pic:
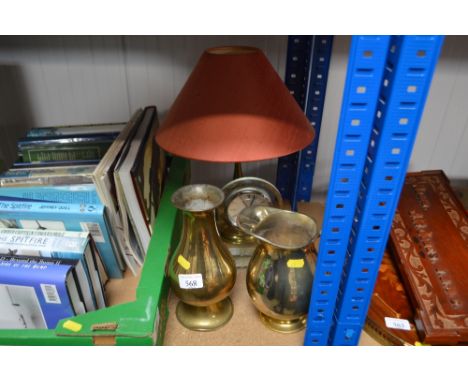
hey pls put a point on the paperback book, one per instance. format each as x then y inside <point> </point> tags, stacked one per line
<point>37,294</point>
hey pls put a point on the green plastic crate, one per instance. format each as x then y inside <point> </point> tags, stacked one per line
<point>133,323</point>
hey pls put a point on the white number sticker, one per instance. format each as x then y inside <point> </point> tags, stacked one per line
<point>397,323</point>
<point>194,281</point>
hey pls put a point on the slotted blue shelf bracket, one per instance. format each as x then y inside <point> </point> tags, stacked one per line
<point>296,80</point>
<point>364,76</point>
<point>409,68</point>
<point>314,104</point>
<point>308,61</point>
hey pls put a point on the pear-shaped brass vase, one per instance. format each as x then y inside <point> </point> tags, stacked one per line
<point>280,273</point>
<point>201,269</point>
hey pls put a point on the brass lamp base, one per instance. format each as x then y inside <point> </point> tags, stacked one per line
<point>233,235</point>
<point>206,318</point>
<point>284,326</point>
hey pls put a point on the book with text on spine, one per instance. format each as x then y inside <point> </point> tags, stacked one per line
<point>84,147</point>
<point>64,217</point>
<point>60,245</point>
<point>35,294</point>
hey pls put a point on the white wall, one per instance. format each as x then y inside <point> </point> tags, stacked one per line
<point>76,80</point>
<point>72,80</point>
<point>442,141</point>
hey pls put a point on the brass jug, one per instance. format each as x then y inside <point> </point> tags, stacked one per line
<point>201,269</point>
<point>280,273</point>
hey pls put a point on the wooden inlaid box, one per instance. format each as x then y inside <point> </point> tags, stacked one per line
<point>429,240</point>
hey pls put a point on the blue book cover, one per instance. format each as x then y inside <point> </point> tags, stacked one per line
<point>64,217</point>
<point>34,295</point>
<point>72,194</point>
<point>58,245</point>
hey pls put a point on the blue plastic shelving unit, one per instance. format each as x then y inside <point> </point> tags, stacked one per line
<point>387,84</point>
<point>308,60</point>
<point>364,75</point>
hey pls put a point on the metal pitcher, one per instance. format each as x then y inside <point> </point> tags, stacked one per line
<point>280,273</point>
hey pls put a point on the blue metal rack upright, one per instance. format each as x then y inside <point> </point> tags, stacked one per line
<point>364,75</point>
<point>308,61</point>
<point>384,97</point>
<point>410,65</point>
<point>314,104</point>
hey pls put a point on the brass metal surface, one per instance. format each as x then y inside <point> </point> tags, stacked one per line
<point>201,253</point>
<point>206,318</point>
<point>239,194</point>
<point>280,274</point>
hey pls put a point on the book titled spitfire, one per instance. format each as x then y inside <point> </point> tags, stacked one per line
<point>35,294</point>
<point>61,245</point>
<point>64,217</point>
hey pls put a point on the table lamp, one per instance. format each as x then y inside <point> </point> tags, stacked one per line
<point>234,107</point>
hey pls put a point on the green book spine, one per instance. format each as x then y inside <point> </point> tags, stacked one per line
<point>64,152</point>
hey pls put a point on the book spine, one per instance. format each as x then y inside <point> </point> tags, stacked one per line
<point>59,194</point>
<point>41,132</point>
<point>48,207</point>
<point>85,170</point>
<point>42,241</point>
<point>61,216</point>
<point>64,152</point>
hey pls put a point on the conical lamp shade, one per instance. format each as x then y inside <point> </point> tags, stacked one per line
<point>234,108</point>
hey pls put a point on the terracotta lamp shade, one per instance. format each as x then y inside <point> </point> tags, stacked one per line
<point>234,108</point>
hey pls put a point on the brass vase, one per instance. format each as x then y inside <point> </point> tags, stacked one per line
<point>280,273</point>
<point>201,269</point>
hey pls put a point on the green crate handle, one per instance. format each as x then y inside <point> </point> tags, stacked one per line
<point>131,323</point>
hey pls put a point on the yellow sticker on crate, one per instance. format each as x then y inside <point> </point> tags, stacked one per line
<point>295,263</point>
<point>183,262</point>
<point>72,325</point>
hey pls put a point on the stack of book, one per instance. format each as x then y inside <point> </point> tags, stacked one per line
<point>76,209</point>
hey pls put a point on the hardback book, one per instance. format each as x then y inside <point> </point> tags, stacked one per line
<point>36,293</point>
<point>61,245</point>
<point>75,130</point>
<point>429,239</point>
<point>103,177</point>
<point>65,217</point>
<point>65,163</point>
<point>84,147</point>
<point>47,176</point>
<point>136,223</point>
<point>148,174</point>
<point>72,194</point>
